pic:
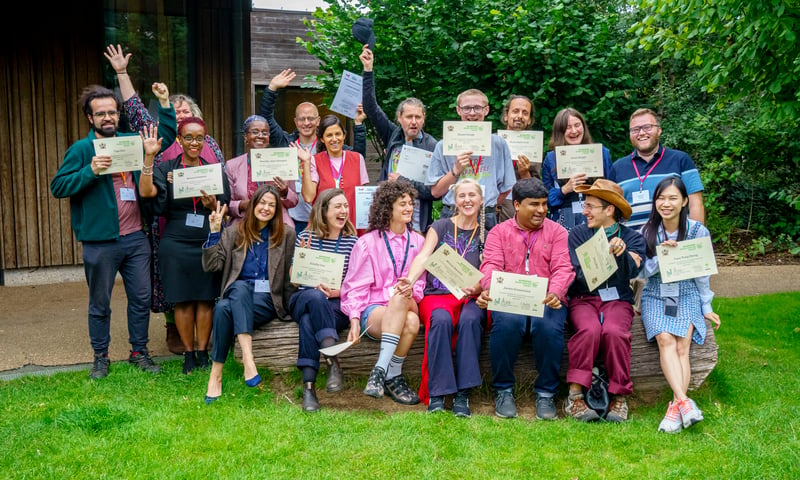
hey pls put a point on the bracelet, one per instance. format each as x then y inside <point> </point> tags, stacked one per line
<point>453,173</point>
<point>122,73</point>
<point>149,174</point>
<point>147,168</point>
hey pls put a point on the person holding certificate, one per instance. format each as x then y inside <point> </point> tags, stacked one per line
<point>108,217</point>
<point>528,244</point>
<point>518,115</point>
<point>253,258</point>
<point>564,203</point>
<point>239,172</point>
<point>317,309</point>
<point>372,297</point>
<point>443,314</point>
<point>675,313</point>
<point>600,311</point>
<point>494,172</point>
<point>407,131</point>
<point>333,166</point>
<point>186,285</point>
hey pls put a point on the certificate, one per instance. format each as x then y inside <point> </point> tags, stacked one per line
<point>267,163</point>
<point>526,142</point>
<point>189,181</point>
<point>597,263</point>
<point>348,95</point>
<point>452,270</point>
<point>363,202</point>
<point>690,259</point>
<point>475,137</point>
<point>313,267</point>
<point>414,162</point>
<point>515,293</point>
<point>572,159</point>
<point>126,153</point>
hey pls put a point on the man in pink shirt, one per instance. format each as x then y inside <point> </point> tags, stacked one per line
<point>528,244</point>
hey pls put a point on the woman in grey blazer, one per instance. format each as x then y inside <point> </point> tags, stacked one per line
<point>253,256</point>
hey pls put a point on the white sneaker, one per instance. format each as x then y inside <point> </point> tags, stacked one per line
<point>690,414</point>
<point>672,420</point>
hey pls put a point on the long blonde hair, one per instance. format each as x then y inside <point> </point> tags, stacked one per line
<point>482,215</point>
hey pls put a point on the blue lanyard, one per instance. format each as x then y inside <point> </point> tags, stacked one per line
<point>262,265</point>
<point>336,249</point>
<point>391,255</point>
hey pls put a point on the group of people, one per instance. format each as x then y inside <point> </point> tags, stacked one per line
<point>224,261</point>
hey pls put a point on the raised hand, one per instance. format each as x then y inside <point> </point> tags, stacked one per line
<point>161,92</point>
<point>150,141</point>
<point>367,59</point>
<point>281,80</point>
<point>118,61</point>
<point>360,115</point>
<point>216,216</point>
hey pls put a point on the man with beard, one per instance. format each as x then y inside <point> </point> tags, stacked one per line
<point>528,244</point>
<point>108,220</point>
<point>640,172</point>
<point>518,115</point>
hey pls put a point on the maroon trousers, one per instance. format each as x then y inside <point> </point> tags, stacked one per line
<point>611,339</point>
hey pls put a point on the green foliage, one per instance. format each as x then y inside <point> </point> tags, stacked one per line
<point>738,48</point>
<point>559,53</point>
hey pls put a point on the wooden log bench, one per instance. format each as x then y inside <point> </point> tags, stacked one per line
<point>275,347</point>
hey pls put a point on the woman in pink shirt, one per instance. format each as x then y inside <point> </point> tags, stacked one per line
<point>371,296</point>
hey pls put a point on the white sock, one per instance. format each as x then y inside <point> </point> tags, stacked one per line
<point>395,367</point>
<point>388,346</point>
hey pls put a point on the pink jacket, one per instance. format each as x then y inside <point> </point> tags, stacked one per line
<point>238,172</point>
<point>549,257</point>
<point>372,272</point>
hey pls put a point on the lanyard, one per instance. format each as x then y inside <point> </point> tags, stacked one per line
<point>477,167</point>
<point>194,199</point>
<point>124,182</point>
<point>262,266</point>
<point>529,241</point>
<point>338,239</point>
<point>337,176</point>
<point>642,179</point>
<point>455,238</point>
<point>391,255</point>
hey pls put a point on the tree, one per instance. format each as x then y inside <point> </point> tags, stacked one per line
<point>739,48</point>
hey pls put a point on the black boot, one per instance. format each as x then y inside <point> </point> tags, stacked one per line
<point>335,375</point>
<point>310,402</point>
<point>188,362</point>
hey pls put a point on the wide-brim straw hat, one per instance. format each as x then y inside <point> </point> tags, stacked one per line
<point>608,191</point>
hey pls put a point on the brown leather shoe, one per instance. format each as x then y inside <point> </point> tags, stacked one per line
<point>335,375</point>
<point>174,343</point>
<point>310,402</point>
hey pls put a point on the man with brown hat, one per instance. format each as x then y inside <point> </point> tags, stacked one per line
<point>601,317</point>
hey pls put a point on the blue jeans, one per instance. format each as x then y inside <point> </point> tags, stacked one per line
<point>448,373</point>
<point>547,339</point>
<point>130,256</point>
<point>240,310</point>
<point>318,318</point>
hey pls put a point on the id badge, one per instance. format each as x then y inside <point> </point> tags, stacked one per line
<point>127,195</point>
<point>262,286</point>
<point>195,220</point>
<point>577,207</point>
<point>608,294</point>
<point>671,306</point>
<point>670,290</point>
<point>298,187</point>
<point>642,196</point>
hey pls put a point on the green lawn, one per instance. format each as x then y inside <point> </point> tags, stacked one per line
<point>134,425</point>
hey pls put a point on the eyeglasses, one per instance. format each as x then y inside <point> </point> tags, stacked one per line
<point>190,139</point>
<point>258,133</point>
<point>472,108</point>
<point>306,119</point>
<point>110,113</point>
<point>646,128</point>
<point>590,207</point>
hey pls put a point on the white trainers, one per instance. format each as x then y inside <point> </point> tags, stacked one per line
<point>672,420</point>
<point>690,414</point>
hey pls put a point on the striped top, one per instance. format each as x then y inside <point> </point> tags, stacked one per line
<point>346,245</point>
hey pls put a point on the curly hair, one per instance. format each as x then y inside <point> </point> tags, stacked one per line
<point>380,212</point>
<point>93,92</point>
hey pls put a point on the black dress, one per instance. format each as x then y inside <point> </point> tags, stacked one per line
<point>181,248</point>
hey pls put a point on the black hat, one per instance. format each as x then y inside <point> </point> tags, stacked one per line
<point>362,31</point>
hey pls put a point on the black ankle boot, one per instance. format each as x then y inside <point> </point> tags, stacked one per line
<point>335,375</point>
<point>188,362</point>
<point>310,402</point>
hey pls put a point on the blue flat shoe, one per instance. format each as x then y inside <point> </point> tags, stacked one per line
<point>253,382</point>
<point>210,400</point>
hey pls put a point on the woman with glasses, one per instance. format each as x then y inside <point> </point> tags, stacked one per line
<point>240,178</point>
<point>564,204</point>
<point>253,257</point>
<point>185,283</point>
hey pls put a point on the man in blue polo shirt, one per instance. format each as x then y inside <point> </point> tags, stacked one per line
<point>640,172</point>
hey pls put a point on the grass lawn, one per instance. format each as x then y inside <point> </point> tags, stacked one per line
<point>134,425</point>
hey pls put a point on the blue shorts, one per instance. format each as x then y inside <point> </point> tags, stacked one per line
<point>365,315</point>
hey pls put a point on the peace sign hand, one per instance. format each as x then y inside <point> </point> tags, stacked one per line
<point>216,216</point>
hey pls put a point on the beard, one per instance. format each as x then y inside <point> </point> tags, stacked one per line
<point>108,130</point>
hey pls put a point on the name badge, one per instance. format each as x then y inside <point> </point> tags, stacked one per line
<point>195,220</point>
<point>670,290</point>
<point>262,286</point>
<point>608,294</point>
<point>127,195</point>
<point>642,196</point>
<point>298,187</point>
<point>577,207</point>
